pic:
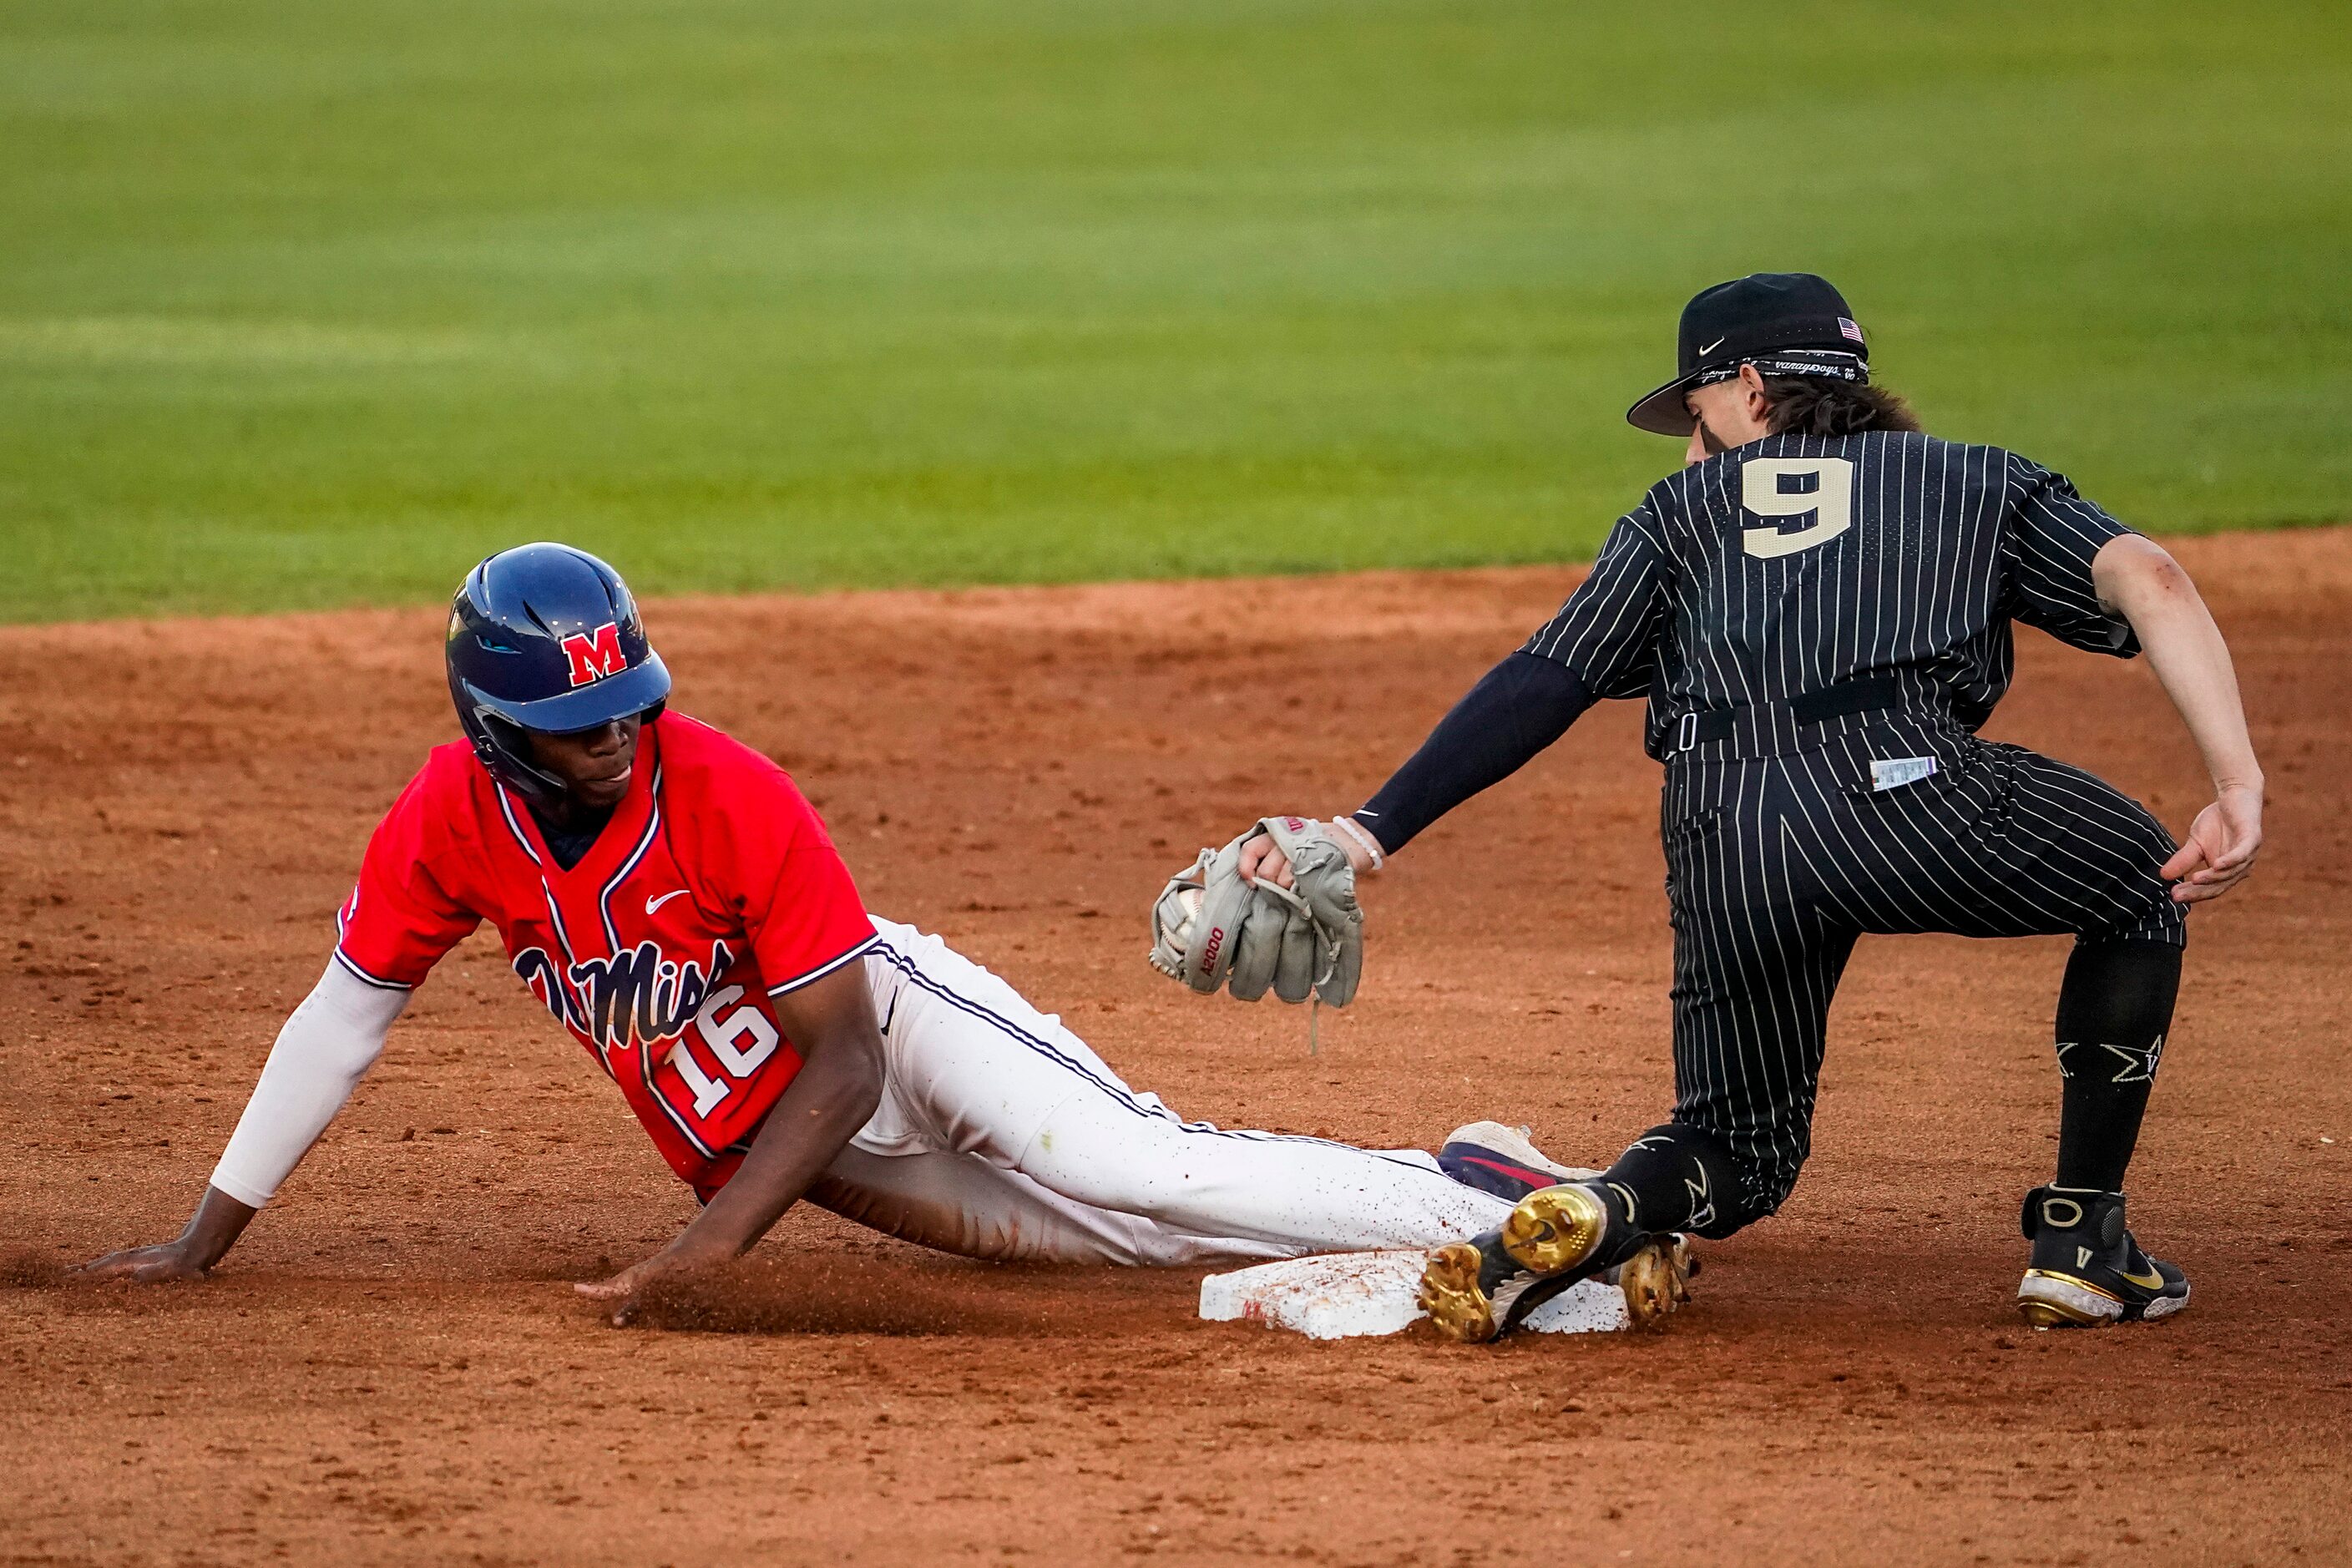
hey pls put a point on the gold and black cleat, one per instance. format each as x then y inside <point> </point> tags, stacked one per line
<point>1555,1229</point>
<point>2086,1270</point>
<point>1459,1284</point>
<point>1656,1281</point>
<point>1475,1291</point>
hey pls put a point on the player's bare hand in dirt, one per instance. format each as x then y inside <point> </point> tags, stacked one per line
<point>2221,846</point>
<point>626,1291</point>
<point>165,1262</point>
<point>212,1230</point>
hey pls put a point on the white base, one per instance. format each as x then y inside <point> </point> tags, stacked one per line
<point>1343,1294</point>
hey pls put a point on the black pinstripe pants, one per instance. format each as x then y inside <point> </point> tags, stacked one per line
<point>1775,864</point>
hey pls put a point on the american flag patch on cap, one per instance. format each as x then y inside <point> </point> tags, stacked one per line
<point>1849,329</point>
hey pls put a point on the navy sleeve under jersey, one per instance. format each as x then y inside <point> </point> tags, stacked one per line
<point>1608,631</point>
<point>1798,562</point>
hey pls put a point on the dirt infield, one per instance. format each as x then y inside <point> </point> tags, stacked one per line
<point>392,1366</point>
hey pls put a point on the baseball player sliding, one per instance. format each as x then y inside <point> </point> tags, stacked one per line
<point>1817,608</point>
<point>672,900</point>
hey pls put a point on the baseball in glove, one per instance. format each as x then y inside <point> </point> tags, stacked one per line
<point>1215,932</point>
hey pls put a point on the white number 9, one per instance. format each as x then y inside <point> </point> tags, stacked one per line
<point>1764,490</point>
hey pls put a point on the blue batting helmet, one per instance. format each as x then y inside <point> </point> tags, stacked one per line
<point>546,637</point>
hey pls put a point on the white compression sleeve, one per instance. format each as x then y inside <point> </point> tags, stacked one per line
<point>325,1049</point>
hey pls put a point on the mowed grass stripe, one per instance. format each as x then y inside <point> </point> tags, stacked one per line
<point>305,306</point>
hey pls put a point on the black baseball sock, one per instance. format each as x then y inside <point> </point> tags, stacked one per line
<point>1678,1178</point>
<point>2113,1012</point>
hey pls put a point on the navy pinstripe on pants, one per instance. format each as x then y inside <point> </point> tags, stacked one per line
<point>1775,864</point>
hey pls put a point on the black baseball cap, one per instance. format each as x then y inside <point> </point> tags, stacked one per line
<point>1784,323</point>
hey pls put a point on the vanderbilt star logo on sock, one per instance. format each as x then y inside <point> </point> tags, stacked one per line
<point>1702,1201</point>
<point>1702,1196</point>
<point>2129,1064</point>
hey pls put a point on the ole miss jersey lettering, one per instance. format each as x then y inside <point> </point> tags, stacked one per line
<point>713,888</point>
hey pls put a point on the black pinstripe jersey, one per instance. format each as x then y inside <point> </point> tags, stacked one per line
<point>1796,561</point>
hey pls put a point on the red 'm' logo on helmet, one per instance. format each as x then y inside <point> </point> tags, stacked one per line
<point>594,654</point>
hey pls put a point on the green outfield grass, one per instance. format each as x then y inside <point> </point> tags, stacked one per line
<point>305,304</point>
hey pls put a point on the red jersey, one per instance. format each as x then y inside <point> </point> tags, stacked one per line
<point>713,888</point>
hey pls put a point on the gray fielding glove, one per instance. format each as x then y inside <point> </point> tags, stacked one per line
<point>1323,940</point>
<point>1262,951</point>
<point>1210,929</point>
<point>1196,922</point>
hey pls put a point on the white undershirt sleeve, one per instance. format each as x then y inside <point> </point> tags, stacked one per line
<point>325,1049</point>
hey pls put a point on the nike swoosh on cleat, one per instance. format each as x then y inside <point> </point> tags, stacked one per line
<point>653,904</point>
<point>1517,1173</point>
<point>2152,1282</point>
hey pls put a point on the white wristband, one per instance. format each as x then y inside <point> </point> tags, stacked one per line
<point>1356,831</point>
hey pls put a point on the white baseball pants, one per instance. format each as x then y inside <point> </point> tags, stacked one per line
<point>1002,1135</point>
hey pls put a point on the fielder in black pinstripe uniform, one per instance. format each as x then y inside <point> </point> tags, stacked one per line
<point>1817,609</point>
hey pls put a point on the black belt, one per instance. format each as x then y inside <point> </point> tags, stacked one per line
<point>1858,696</point>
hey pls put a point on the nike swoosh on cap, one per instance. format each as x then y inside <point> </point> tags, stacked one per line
<point>1712,347</point>
<point>653,904</point>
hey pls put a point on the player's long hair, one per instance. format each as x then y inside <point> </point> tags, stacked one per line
<point>1818,405</point>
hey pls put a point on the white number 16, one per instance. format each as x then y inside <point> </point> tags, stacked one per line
<point>741,1041</point>
<point>1764,490</point>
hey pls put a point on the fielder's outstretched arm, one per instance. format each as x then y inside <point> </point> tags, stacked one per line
<point>2139,580</point>
<point>831,1023</point>
<point>1600,645</point>
<point>1517,709</point>
<point>324,1049</point>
